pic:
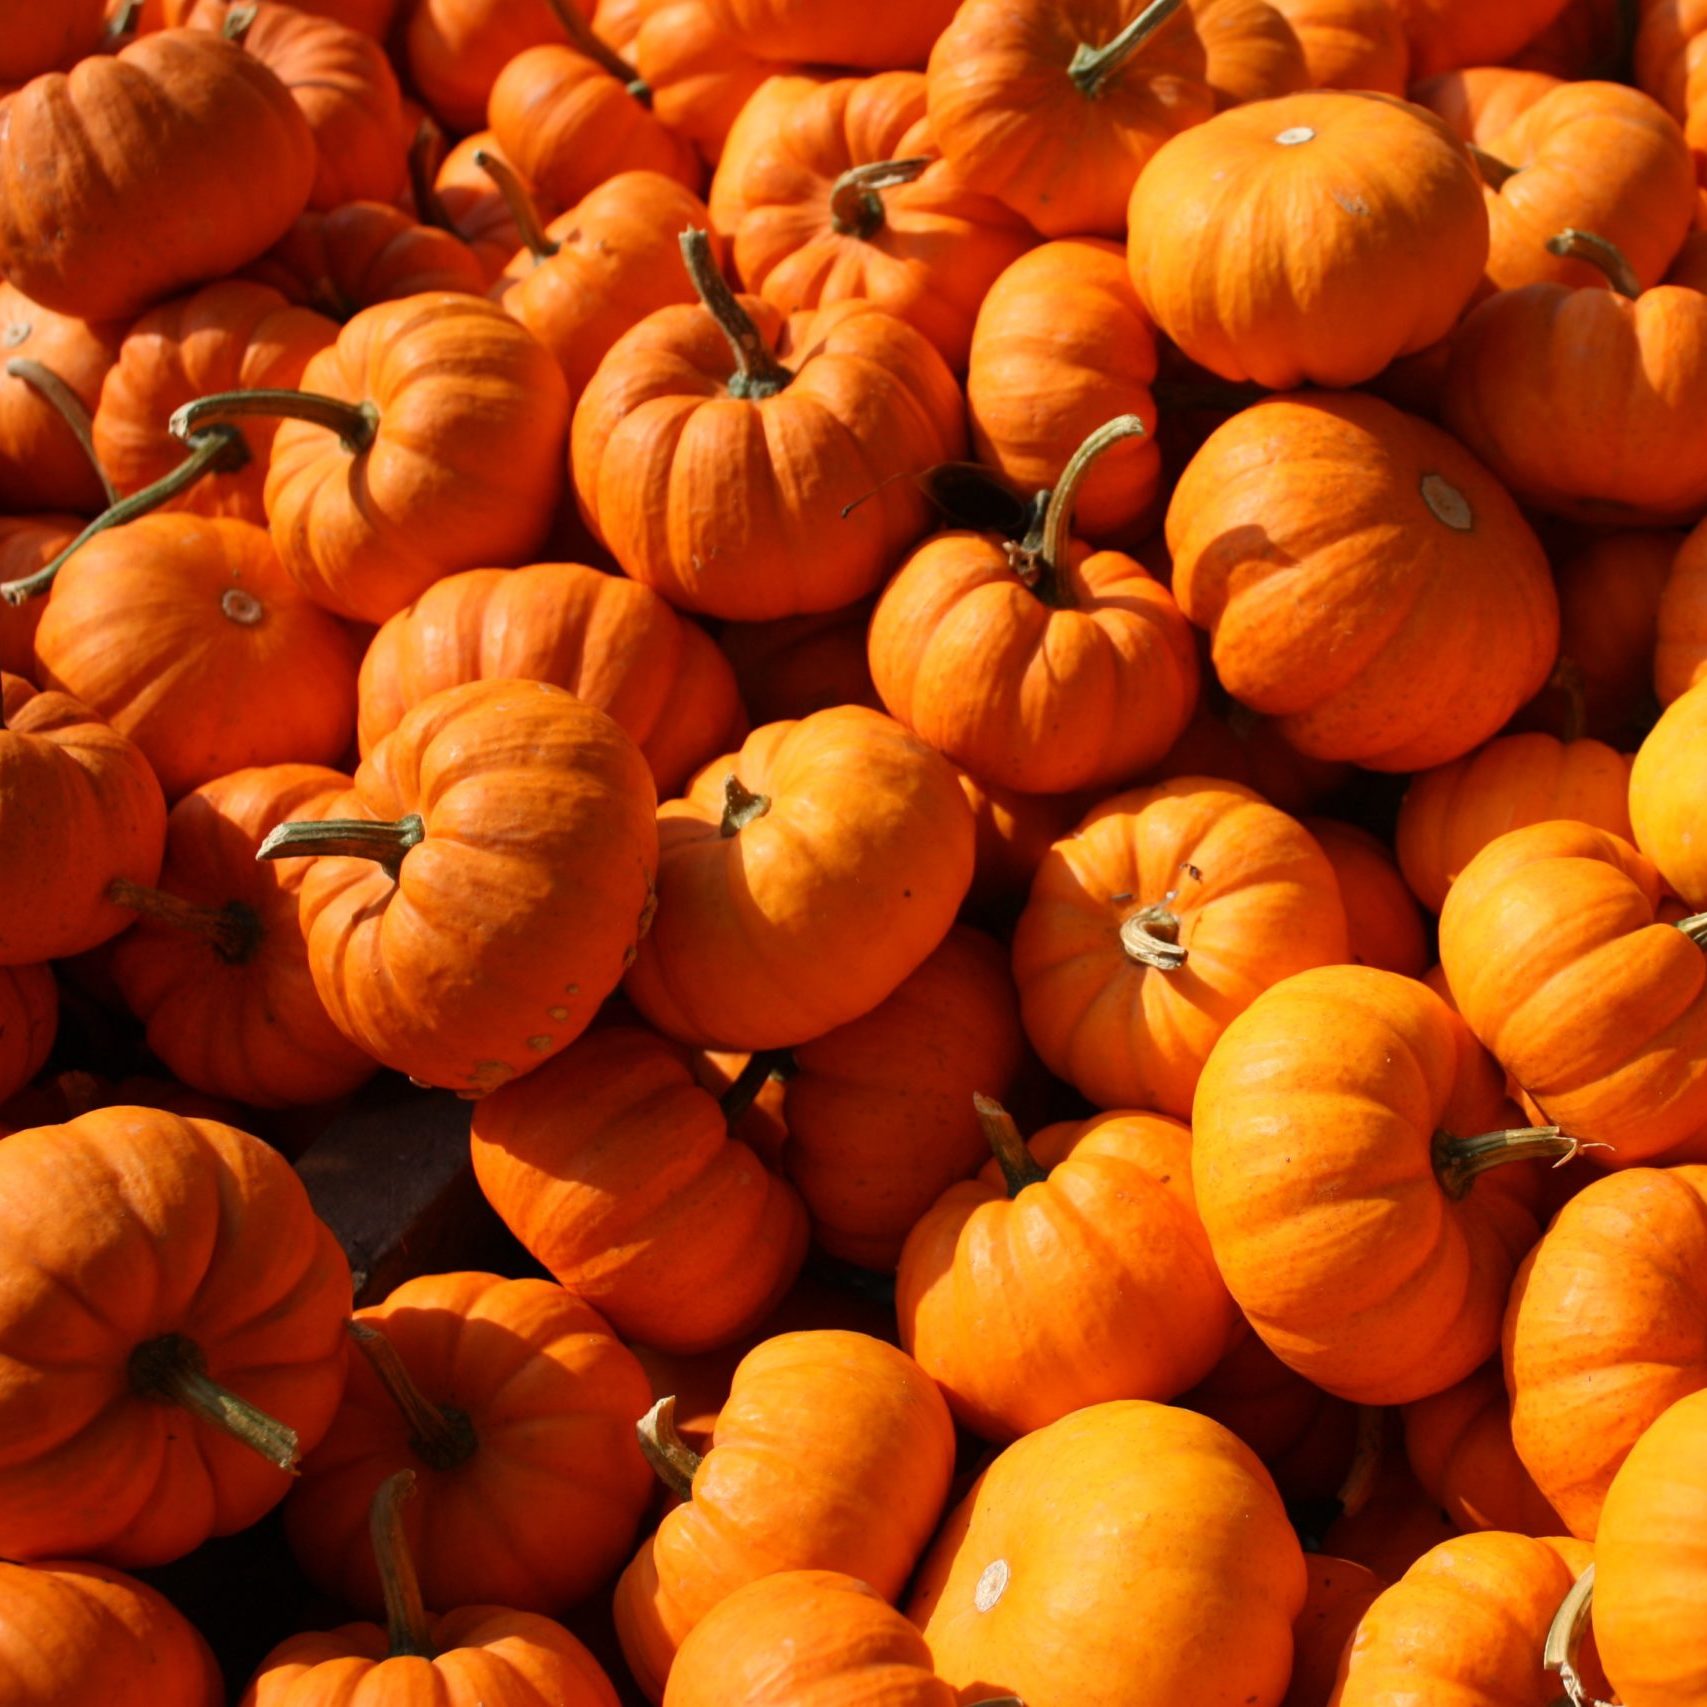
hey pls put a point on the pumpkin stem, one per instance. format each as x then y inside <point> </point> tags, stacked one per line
<point>1092,67</point>
<point>741,806</point>
<point>238,22</point>
<point>426,153</point>
<point>744,1088</point>
<point>1565,1638</point>
<point>856,208</point>
<point>173,1371</point>
<point>585,40</point>
<point>520,203</point>
<point>124,21</point>
<point>440,1435</point>
<point>757,371</point>
<point>1495,171</point>
<point>1695,928</point>
<point>669,1455</point>
<point>69,407</point>
<point>219,450</point>
<point>1574,245</point>
<point>1151,935</point>
<point>346,838</point>
<point>1019,1167</point>
<point>406,1626</point>
<point>1460,1162</point>
<point>233,931</point>
<point>1358,1488</point>
<point>354,423</point>
<point>1571,682</point>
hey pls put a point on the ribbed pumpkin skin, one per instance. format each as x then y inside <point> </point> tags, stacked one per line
<point>455,50</point>
<point>1205,1548</point>
<point>78,807</point>
<point>75,1635</point>
<point>476,208</point>
<point>699,78</point>
<point>611,643</point>
<point>1445,34</point>
<point>544,1511</point>
<point>618,1173</point>
<point>864,1500</point>
<point>1451,813</point>
<point>1095,1284</point>
<point>1278,242</point>
<point>893,34</point>
<point>511,921</point>
<point>1552,947</point>
<point>1350,44</point>
<point>1680,651</point>
<point>110,198</point>
<point>121,1226</point>
<point>1648,1564</point>
<point>256,1030</point>
<point>1341,553</point>
<point>1253,53</point>
<point>1480,102</point>
<point>1668,796</point>
<point>1383,926</point>
<point>1338,1595</point>
<point>1313,1131</point>
<point>232,336</point>
<point>764,936</point>
<point>1464,1626</point>
<point>29,1017</point>
<point>805,1639</point>
<point>1266,905</point>
<point>1585,1389</point>
<point>39,38</point>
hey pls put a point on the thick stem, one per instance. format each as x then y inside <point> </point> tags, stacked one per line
<point>69,407</point>
<point>1092,67</point>
<point>234,930</point>
<point>1460,1162</point>
<point>406,1626</point>
<point>669,1455</point>
<point>1019,1167</point>
<point>1358,1488</point>
<point>173,1371</point>
<point>856,207</point>
<point>354,423</point>
<point>1565,1640</point>
<point>520,203</point>
<point>440,1435</point>
<point>426,153</point>
<point>1495,171</point>
<point>1695,928</point>
<point>744,1088</point>
<point>123,22</point>
<point>346,838</point>
<point>218,450</point>
<point>757,371</point>
<point>1151,937</point>
<point>1574,245</point>
<point>1041,563</point>
<point>741,806</point>
<point>585,40</point>
<point>238,22</point>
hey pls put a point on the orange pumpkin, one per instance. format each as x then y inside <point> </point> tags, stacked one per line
<point>1666,797</point>
<point>29,1016</point>
<point>887,36</point>
<point>1230,742</point>
<point>1383,927</point>
<point>700,77</point>
<point>1338,1594</point>
<point>750,130</point>
<point>1350,44</point>
<point>27,545</point>
<point>1013,832</point>
<point>1619,619</point>
<point>40,38</point>
<point>1446,34</point>
<point>455,49</point>
<point>1396,1527</point>
<point>1668,59</point>
<point>795,665</point>
<point>1680,631</point>
<point>1253,53</point>
<point>1160,918</point>
<point>1482,101</point>
<point>469,204</point>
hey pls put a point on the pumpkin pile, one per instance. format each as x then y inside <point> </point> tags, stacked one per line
<point>1016,690</point>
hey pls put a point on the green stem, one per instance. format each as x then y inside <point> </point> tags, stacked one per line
<point>406,1626</point>
<point>1695,928</point>
<point>69,407</point>
<point>509,185</point>
<point>1019,1167</point>
<point>670,1456</point>
<point>425,154</point>
<point>585,40</point>
<point>741,806</point>
<point>440,1435</point>
<point>173,1370</point>
<point>354,423</point>
<point>757,373</point>
<point>218,450</point>
<point>238,22</point>
<point>1574,245</point>
<point>1092,67</point>
<point>1460,1162</point>
<point>346,838</point>
<point>233,931</point>
<point>1495,172</point>
<point>856,207</point>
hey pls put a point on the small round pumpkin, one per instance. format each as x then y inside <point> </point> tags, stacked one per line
<point>1481,101</point>
<point>1383,927</point>
<point>29,1017</point>
<point>1350,44</point>
<point>1338,1595</point>
<point>1668,796</point>
<point>455,49</point>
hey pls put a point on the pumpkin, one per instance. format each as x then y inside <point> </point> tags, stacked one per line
<point>514,1406</point>
<point>1556,956</point>
<point>611,643</point>
<point>79,807</point>
<point>1061,346</point>
<point>467,201</point>
<point>879,1111</point>
<point>171,1339</point>
<point>699,76</point>
<point>110,198</point>
<point>832,1452</point>
<point>75,1635</point>
<point>1161,917</point>
<point>1647,1564</point>
<point>1585,1387</point>
<point>494,1655</point>
<point>774,865</point>
<point>478,892</point>
<point>1383,927</point>
<point>622,1177</point>
<point>1482,101</point>
<point>1012,832</point>
<point>1668,61</point>
<point>1589,38</point>
<point>1447,34</point>
<point>1350,44</point>
<point>751,130</point>
<point>889,36</point>
<point>231,336</point>
<point>1056,111</point>
<point>1395,1527</point>
<point>1666,797</point>
<point>1070,1271</point>
<point>1253,52</point>
<point>1335,1600</point>
<point>217,964</point>
<point>29,1016</point>
<point>1328,293</point>
<point>41,38</point>
<point>425,440</point>
<point>1341,1130</point>
<point>27,545</point>
<point>849,199</point>
<point>1680,631</point>
<point>1230,742</point>
<point>795,665</point>
<point>744,465</point>
<point>1618,615</point>
<point>1029,1588</point>
<point>185,633</point>
<point>455,49</point>
<point>1338,550</point>
<point>1449,814</point>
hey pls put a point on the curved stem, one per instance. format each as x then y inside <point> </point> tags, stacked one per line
<point>173,1370</point>
<point>1495,171</point>
<point>1695,928</point>
<point>585,40</point>
<point>1565,1637</point>
<point>69,407</point>
<point>757,371</point>
<point>741,806</point>
<point>1460,1162</point>
<point>519,201</point>
<point>233,931</point>
<point>426,153</point>
<point>1092,67</point>
<point>856,207</point>
<point>669,1455</point>
<point>354,423</point>
<point>744,1088</point>
<point>406,1626</point>
<point>1151,937</point>
<point>1019,1167</point>
<point>1042,562</point>
<point>346,838</point>
<point>1358,1488</point>
<point>1573,245</point>
<point>238,22</point>
<point>219,450</point>
<point>440,1435</point>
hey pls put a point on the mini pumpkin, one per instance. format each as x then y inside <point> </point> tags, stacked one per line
<point>1350,44</point>
<point>1445,34</point>
<point>29,1017</point>
<point>1666,797</point>
<point>1383,927</point>
<point>1680,623</point>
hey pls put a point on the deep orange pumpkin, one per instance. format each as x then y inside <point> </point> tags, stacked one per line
<point>1666,797</point>
<point>1383,926</point>
<point>1338,1595</point>
<point>1621,614</point>
<point>888,36</point>
<point>43,38</point>
<point>29,1016</point>
<point>1350,44</point>
<point>1482,101</point>
<point>1446,34</point>
<point>455,49</point>
<point>1680,633</point>
<point>27,545</point>
<point>700,77</point>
